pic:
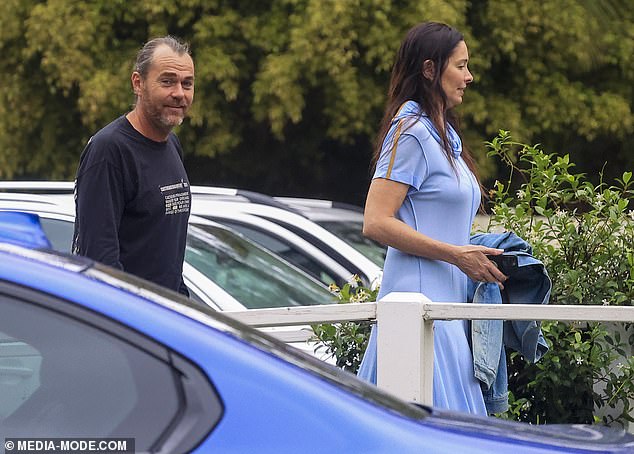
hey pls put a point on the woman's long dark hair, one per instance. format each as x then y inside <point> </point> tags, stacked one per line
<point>427,41</point>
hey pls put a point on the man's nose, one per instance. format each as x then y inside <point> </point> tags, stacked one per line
<point>178,91</point>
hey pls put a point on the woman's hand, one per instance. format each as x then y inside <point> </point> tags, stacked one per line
<point>473,261</point>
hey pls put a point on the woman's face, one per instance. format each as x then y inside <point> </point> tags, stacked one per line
<point>456,75</point>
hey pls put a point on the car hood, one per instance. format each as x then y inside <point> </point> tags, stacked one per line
<point>579,437</point>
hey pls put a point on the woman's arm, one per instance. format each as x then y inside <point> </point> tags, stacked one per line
<point>384,199</point>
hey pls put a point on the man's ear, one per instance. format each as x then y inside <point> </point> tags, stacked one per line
<point>428,69</point>
<point>135,79</point>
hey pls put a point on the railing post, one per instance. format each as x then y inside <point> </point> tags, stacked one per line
<point>405,347</point>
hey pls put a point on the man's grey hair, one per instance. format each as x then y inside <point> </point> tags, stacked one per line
<point>146,54</point>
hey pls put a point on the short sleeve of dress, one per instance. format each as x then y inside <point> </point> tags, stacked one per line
<point>403,161</point>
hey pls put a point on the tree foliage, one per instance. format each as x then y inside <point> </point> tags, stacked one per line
<point>289,92</point>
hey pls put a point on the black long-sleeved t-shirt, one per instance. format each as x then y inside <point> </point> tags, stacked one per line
<point>132,202</point>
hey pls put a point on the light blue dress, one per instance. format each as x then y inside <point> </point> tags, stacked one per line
<point>441,203</point>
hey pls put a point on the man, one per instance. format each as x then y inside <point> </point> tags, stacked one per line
<point>132,196</point>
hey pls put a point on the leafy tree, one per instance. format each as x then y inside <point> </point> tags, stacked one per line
<point>557,73</point>
<point>289,92</point>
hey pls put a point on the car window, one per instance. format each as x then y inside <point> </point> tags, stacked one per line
<point>58,232</point>
<point>65,378</point>
<point>288,252</point>
<point>351,233</point>
<point>250,274</point>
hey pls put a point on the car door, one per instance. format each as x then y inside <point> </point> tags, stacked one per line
<point>69,372</point>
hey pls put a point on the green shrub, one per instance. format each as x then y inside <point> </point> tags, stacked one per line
<point>584,234</point>
<point>346,342</point>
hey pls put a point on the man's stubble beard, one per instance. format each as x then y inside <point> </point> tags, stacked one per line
<point>158,116</point>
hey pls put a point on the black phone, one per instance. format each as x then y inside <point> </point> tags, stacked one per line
<point>507,263</point>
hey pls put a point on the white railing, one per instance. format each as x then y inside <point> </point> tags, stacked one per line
<point>405,342</point>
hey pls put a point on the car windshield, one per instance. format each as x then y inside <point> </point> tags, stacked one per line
<point>253,276</point>
<point>351,233</point>
<point>286,251</point>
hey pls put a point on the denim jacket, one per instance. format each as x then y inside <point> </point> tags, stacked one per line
<point>528,284</point>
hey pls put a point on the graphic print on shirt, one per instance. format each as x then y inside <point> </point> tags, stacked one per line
<point>176,200</point>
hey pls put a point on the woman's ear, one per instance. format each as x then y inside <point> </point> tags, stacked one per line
<point>428,69</point>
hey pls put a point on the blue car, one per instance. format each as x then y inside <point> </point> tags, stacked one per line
<point>90,352</point>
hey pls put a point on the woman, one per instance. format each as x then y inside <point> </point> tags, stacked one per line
<point>422,201</point>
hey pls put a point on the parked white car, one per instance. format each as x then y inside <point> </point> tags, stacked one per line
<point>342,219</point>
<point>340,251</point>
<point>284,243</point>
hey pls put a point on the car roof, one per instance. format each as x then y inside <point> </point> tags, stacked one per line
<point>33,186</point>
<point>30,206</point>
<point>238,195</point>
<point>305,202</point>
<point>332,214</point>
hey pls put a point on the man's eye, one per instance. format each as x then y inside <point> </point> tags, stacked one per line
<point>188,84</point>
<point>167,82</point>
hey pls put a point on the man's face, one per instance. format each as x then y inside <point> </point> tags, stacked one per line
<point>167,92</point>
